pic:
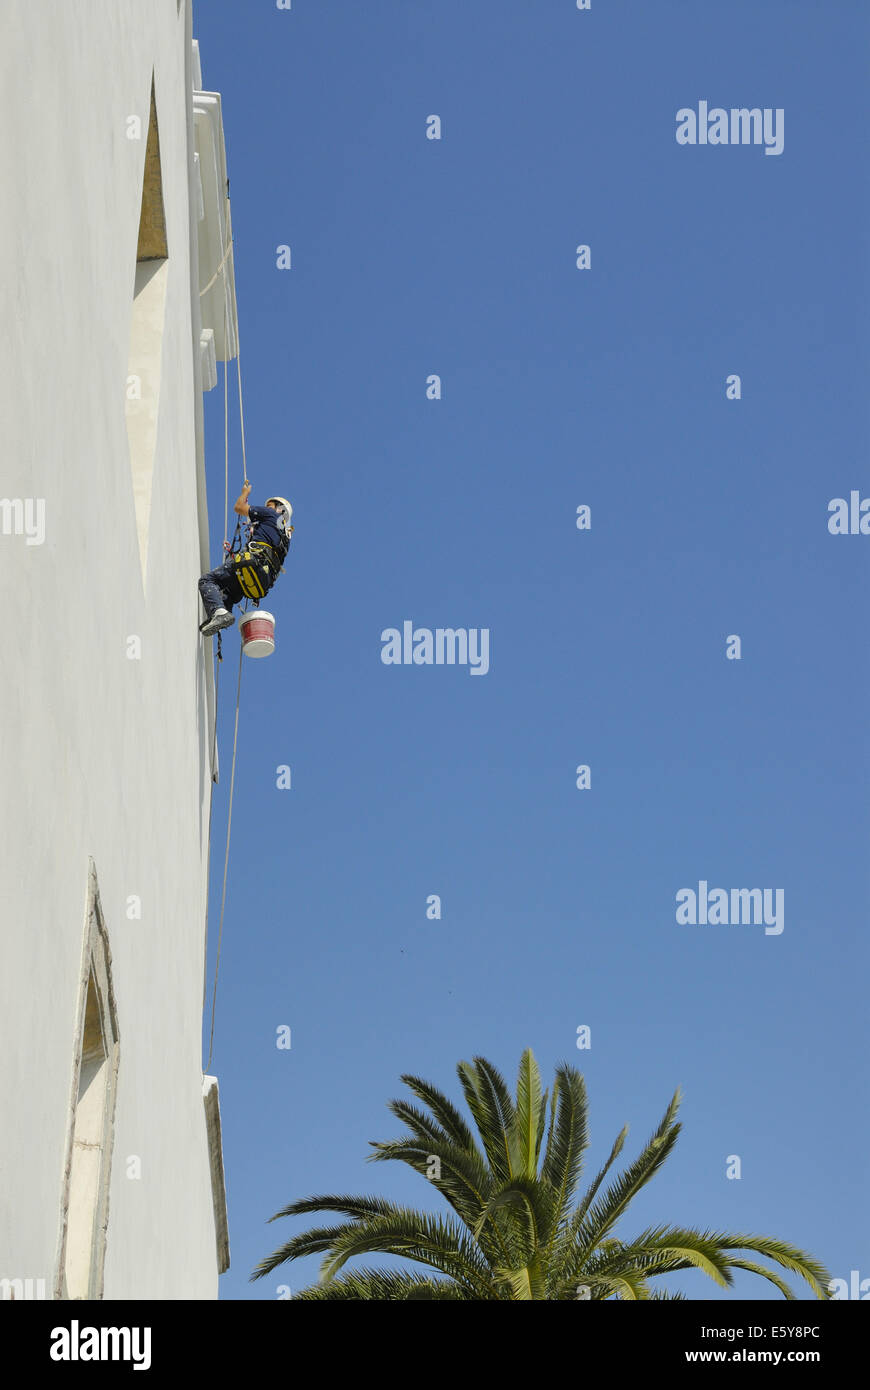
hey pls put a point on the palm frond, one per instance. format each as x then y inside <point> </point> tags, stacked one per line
<point>418,1236</point>
<point>526,1282</point>
<point>445,1113</point>
<point>531,1207</point>
<point>768,1274</point>
<point>495,1081</point>
<point>421,1125</point>
<point>348,1205</point>
<point>607,1210</point>
<point>313,1242</point>
<point>460,1176</point>
<point>627,1287</point>
<point>782,1253</point>
<point>483,1103</point>
<point>382,1285</point>
<point>592,1191</point>
<point>669,1249</point>
<point>529,1115</point>
<point>567,1139</point>
<point>565,1249</point>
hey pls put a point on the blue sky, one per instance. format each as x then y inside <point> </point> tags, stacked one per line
<point>560,387</point>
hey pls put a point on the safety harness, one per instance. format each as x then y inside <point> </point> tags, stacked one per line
<point>256,564</point>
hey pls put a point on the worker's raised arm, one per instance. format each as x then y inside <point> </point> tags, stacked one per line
<point>241,503</point>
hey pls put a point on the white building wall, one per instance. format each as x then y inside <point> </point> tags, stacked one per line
<point>102,756</point>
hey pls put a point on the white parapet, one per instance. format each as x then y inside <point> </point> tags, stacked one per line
<point>216,271</point>
<point>208,361</point>
<point>211,1100</point>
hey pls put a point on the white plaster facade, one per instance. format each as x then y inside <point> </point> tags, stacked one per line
<point>106,702</point>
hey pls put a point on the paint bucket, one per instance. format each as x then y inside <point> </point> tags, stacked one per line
<point>258,632</point>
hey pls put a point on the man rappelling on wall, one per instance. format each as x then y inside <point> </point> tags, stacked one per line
<point>251,570</point>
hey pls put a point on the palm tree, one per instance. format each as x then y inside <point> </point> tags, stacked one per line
<point>518,1234</point>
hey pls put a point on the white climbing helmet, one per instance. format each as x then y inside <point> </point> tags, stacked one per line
<point>285,512</point>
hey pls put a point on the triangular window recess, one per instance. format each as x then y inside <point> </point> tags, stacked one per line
<point>152,220</point>
<point>146,336</point>
<point>90,1133</point>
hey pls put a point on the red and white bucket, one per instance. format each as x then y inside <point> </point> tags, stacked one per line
<point>258,632</point>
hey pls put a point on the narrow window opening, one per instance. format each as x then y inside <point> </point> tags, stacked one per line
<point>85,1201</point>
<point>87,1152</point>
<point>146,335</point>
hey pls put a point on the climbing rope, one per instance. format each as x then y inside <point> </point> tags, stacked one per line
<point>226,865</point>
<point>226,431</point>
<point>219,656</point>
<point>241,405</point>
<point>220,270</point>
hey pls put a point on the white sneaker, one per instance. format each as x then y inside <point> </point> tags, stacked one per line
<point>219,619</point>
